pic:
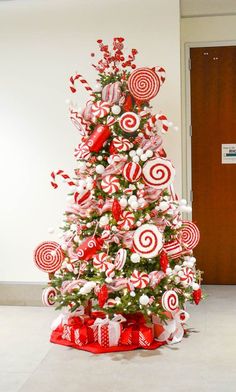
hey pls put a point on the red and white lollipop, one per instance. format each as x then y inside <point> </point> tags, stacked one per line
<point>158,173</point>
<point>48,296</point>
<point>170,301</point>
<point>132,171</point>
<point>187,276</point>
<point>48,256</point>
<point>139,280</point>
<point>144,84</point>
<point>190,234</point>
<point>120,259</point>
<point>147,241</point>
<point>100,260</point>
<point>129,122</point>
<point>100,109</point>
<point>110,184</point>
<point>122,144</point>
<point>126,220</point>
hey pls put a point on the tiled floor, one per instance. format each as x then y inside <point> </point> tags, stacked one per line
<point>204,362</point>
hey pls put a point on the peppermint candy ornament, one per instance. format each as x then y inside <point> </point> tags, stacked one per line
<point>144,84</point>
<point>158,173</point>
<point>170,301</point>
<point>139,280</point>
<point>190,234</point>
<point>99,261</point>
<point>129,122</point>
<point>186,276</point>
<point>48,296</point>
<point>111,93</point>
<point>132,171</point>
<point>147,241</point>
<point>48,256</point>
<point>126,220</point>
<point>100,109</point>
<point>82,151</point>
<point>110,184</point>
<point>120,259</point>
<point>122,144</point>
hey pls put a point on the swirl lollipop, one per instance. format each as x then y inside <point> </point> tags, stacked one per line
<point>110,184</point>
<point>144,84</point>
<point>170,300</point>
<point>99,261</point>
<point>48,256</point>
<point>129,122</point>
<point>147,241</point>
<point>139,279</point>
<point>48,296</point>
<point>126,220</point>
<point>190,234</point>
<point>187,276</point>
<point>158,173</point>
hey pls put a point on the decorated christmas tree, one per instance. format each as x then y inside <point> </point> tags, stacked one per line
<point>124,268</point>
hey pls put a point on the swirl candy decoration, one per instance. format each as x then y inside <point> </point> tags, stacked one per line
<point>170,301</point>
<point>110,184</point>
<point>147,241</point>
<point>144,84</point>
<point>190,234</point>
<point>122,144</point>
<point>99,261</point>
<point>126,220</point>
<point>48,256</point>
<point>48,296</point>
<point>158,173</point>
<point>111,93</point>
<point>187,277</point>
<point>82,151</point>
<point>100,109</point>
<point>132,171</point>
<point>129,122</point>
<point>139,280</point>
<point>120,259</point>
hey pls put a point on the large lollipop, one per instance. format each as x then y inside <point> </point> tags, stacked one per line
<point>48,256</point>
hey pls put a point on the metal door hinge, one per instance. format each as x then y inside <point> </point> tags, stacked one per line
<point>191,196</point>
<point>189,64</point>
<point>190,130</point>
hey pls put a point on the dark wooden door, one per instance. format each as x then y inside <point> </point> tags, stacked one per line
<point>213,112</point>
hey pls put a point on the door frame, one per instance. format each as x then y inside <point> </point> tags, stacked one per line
<point>186,114</point>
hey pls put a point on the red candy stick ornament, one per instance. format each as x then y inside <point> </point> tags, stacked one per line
<point>100,134</point>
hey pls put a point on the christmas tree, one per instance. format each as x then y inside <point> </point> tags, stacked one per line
<point>124,269</point>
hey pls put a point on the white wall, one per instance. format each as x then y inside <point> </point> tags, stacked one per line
<point>42,43</point>
<point>199,31</point>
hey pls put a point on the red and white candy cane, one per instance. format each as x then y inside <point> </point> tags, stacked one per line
<point>170,300</point>
<point>152,122</point>
<point>80,79</point>
<point>65,177</point>
<point>139,279</point>
<point>173,195</point>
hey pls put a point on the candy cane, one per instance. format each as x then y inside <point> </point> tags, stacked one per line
<point>161,73</point>
<point>64,176</point>
<point>157,117</point>
<point>81,80</point>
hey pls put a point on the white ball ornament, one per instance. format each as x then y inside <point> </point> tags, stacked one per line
<point>163,206</point>
<point>132,294</point>
<point>108,280</point>
<point>132,198</point>
<point>195,286</point>
<point>132,153</point>
<point>169,271</point>
<point>139,151</point>
<point>97,88</point>
<point>183,202</point>
<point>143,157</point>
<point>134,205</point>
<point>138,223</point>
<point>116,109</point>
<point>140,185</point>
<point>99,158</point>
<point>104,220</point>
<point>149,153</point>
<point>135,159</point>
<point>192,259</point>
<point>76,239</point>
<point>64,246</point>
<point>100,169</point>
<point>181,274</point>
<point>177,268</point>
<point>144,299</point>
<point>51,230</point>
<point>123,202</point>
<point>135,258</point>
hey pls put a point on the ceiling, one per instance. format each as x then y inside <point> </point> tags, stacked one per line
<point>191,8</point>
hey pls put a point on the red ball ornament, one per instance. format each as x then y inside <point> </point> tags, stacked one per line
<point>97,139</point>
<point>116,209</point>
<point>197,296</point>
<point>102,296</point>
<point>89,247</point>
<point>164,262</point>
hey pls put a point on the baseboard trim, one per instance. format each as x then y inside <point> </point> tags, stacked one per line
<point>21,293</point>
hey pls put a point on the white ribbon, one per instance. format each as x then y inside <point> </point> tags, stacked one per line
<point>113,328</point>
<point>64,317</point>
<point>173,328</point>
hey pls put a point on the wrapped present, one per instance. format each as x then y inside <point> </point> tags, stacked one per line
<point>136,331</point>
<point>172,329</point>
<point>84,334</point>
<point>69,328</point>
<point>107,332</point>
